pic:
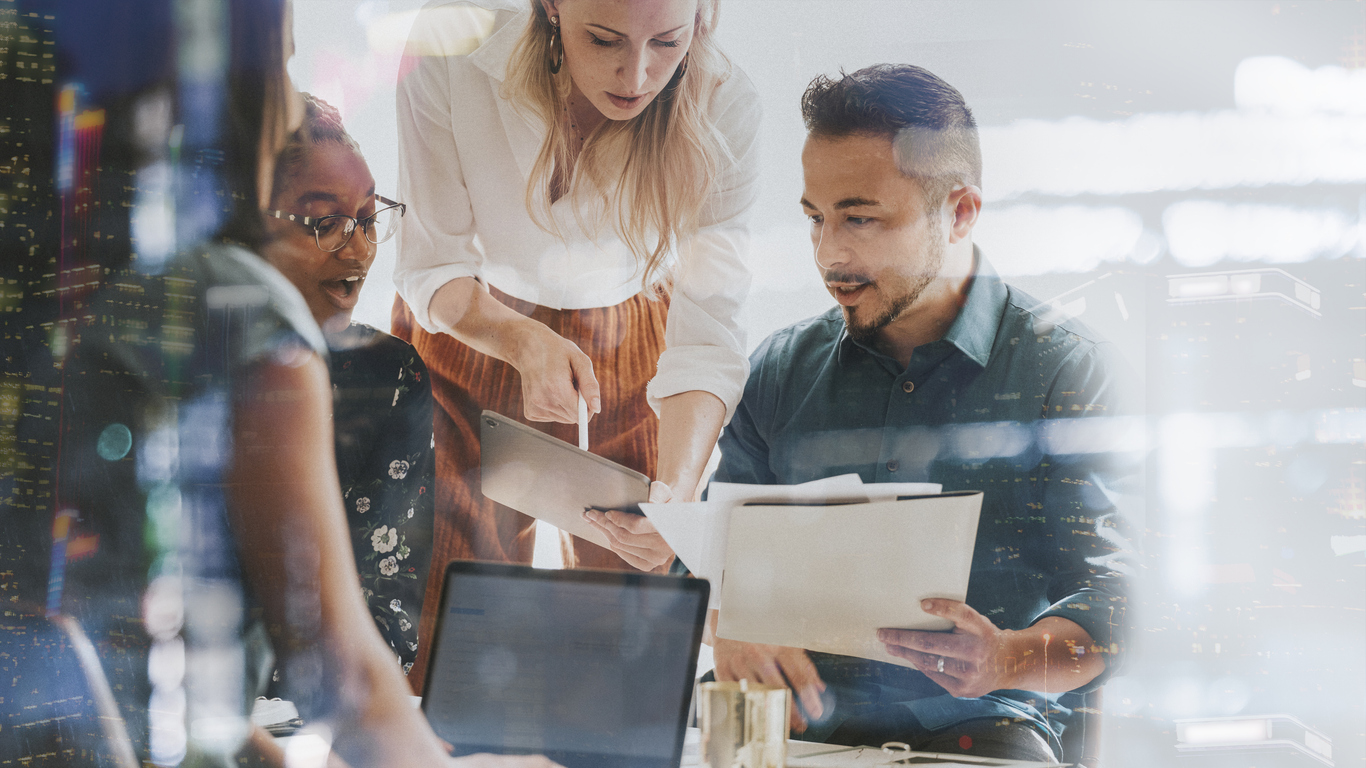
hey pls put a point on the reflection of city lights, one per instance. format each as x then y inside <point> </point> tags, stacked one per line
<point>1199,287</point>
<point>1244,284</point>
<point>1201,233</point>
<point>153,216</point>
<point>1224,731</point>
<point>1347,545</point>
<point>1284,85</point>
<point>1093,435</point>
<point>1036,240</point>
<point>309,747</point>
<point>456,30</point>
<point>1157,152</point>
<point>1187,470</point>
<point>981,441</point>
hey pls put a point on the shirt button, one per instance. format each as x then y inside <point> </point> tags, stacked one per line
<point>908,386</point>
<point>893,465</point>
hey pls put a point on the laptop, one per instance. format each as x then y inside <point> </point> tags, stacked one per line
<point>590,668</point>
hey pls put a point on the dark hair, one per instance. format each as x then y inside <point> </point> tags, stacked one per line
<point>257,91</point>
<point>933,133</point>
<point>322,124</point>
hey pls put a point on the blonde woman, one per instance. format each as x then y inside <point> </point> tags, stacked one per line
<point>579,176</point>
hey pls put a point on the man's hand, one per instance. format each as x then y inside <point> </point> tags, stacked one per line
<point>634,537</point>
<point>1052,655</point>
<point>774,665</point>
<point>975,655</point>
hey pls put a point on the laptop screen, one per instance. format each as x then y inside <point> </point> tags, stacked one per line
<point>589,668</point>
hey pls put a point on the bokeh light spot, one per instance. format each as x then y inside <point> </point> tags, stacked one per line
<point>115,442</point>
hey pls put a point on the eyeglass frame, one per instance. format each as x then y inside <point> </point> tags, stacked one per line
<point>363,224</point>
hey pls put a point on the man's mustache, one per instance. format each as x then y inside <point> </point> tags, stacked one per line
<point>849,278</point>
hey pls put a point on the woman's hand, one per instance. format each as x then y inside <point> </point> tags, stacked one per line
<point>554,373</point>
<point>634,537</point>
<point>554,370</point>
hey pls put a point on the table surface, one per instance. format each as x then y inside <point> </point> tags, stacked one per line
<point>800,754</point>
<point>804,754</point>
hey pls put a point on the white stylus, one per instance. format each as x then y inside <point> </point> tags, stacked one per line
<point>583,423</point>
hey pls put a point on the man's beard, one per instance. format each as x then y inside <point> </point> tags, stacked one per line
<point>864,328</point>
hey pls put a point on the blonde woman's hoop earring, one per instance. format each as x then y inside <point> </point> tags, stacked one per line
<point>555,54</point>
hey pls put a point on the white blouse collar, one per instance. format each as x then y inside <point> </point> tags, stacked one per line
<point>493,55</point>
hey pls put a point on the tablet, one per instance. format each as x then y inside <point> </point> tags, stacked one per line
<point>551,480</point>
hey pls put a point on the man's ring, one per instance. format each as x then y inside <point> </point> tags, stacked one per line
<point>940,666</point>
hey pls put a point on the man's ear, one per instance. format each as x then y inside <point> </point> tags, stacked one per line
<point>963,203</point>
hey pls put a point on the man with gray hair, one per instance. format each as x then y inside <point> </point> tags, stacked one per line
<point>932,369</point>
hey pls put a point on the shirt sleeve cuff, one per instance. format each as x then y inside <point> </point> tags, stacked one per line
<point>1102,616</point>
<point>710,369</point>
<point>418,286</point>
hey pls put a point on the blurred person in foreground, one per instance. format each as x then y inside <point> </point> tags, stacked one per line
<point>325,222</point>
<point>199,455</point>
<point>932,369</point>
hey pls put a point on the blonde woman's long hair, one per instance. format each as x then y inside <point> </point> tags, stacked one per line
<point>654,172</point>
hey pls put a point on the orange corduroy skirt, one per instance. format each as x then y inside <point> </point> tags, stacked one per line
<point>624,341</point>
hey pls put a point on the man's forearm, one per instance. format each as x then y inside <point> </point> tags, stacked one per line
<point>1052,656</point>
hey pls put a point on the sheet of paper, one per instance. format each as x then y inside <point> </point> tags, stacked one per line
<point>826,489</point>
<point>890,491</point>
<point>685,527</point>
<point>853,756</point>
<point>697,531</point>
<point>827,578</point>
<point>870,756</point>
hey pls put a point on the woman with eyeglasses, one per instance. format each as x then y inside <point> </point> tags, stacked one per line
<point>325,221</point>
<point>581,173</point>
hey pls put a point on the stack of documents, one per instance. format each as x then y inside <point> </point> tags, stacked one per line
<point>824,565</point>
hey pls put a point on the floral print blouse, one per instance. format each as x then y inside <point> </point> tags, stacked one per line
<point>382,414</point>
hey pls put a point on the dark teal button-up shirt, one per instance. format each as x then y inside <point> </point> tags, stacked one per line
<point>1022,406</point>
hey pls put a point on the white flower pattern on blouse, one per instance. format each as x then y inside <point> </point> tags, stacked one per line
<point>384,539</point>
<point>386,464</point>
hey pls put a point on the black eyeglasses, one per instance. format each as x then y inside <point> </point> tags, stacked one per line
<point>332,233</point>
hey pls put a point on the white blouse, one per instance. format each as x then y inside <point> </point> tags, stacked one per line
<point>465,155</point>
